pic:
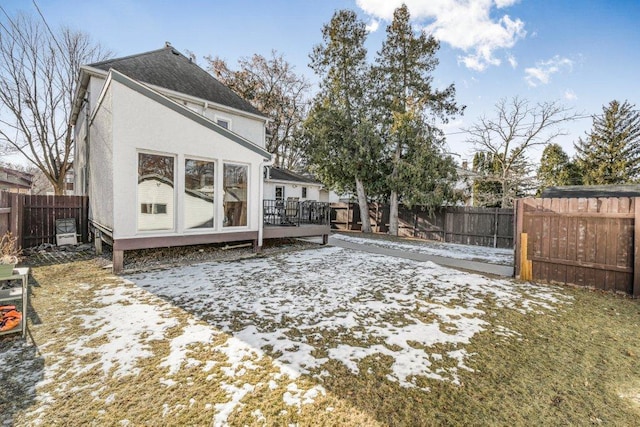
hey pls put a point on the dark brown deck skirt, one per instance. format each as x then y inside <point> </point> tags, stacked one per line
<point>167,241</point>
<point>121,245</point>
<point>275,232</point>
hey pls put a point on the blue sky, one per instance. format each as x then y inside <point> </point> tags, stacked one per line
<point>580,53</point>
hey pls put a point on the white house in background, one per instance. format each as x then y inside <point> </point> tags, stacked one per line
<point>464,184</point>
<point>283,184</point>
<point>167,154</point>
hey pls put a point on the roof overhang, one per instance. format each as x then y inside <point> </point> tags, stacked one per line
<point>87,71</point>
<point>162,99</point>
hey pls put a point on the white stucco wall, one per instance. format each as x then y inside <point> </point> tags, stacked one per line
<point>143,125</point>
<point>291,190</point>
<point>101,166</point>
<point>248,128</point>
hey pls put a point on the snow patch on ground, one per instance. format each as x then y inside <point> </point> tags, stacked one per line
<point>448,250</point>
<point>293,305</point>
<point>125,326</point>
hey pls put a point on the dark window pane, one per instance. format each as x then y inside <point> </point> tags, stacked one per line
<point>235,195</point>
<point>155,192</point>
<point>199,207</point>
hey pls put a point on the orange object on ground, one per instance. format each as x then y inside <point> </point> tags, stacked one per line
<point>10,320</point>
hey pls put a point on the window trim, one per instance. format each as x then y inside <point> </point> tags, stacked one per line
<point>226,119</point>
<point>216,215</point>
<point>275,194</point>
<point>248,195</point>
<point>174,228</point>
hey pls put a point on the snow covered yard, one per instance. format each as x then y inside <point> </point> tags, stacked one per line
<point>317,337</point>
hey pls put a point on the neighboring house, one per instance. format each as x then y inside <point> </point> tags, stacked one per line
<point>283,184</point>
<point>15,181</point>
<point>464,184</point>
<point>167,154</point>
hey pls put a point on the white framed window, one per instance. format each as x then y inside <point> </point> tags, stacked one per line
<point>199,193</point>
<point>235,194</point>
<point>156,192</point>
<point>279,192</point>
<point>223,122</point>
<point>304,192</point>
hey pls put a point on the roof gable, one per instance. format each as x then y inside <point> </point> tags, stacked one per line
<point>172,105</point>
<point>170,69</point>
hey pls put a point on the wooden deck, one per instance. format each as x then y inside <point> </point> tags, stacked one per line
<point>302,230</point>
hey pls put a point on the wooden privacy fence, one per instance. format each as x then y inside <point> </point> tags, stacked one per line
<point>493,227</point>
<point>586,242</point>
<point>33,218</point>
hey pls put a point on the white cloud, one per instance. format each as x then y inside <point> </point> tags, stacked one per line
<point>512,61</point>
<point>463,24</point>
<point>542,72</point>
<point>372,26</point>
<point>505,3</point>
<point>570,95</point>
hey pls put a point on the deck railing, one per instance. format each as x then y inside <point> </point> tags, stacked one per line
<point>295,213</point>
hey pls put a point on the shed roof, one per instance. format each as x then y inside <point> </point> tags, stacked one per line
<point>170,69</point>
<point>569,191</point>
<point>279,174</point>
<point>15,179</point>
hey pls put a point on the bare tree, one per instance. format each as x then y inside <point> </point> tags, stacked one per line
<point>274,88</point>
<point>38,74</point>
<point>509,137</point>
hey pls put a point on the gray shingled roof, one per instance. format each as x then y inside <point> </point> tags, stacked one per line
<point>286,175</point>
<point>13,178</point>
<point>568,191</point>
<point>170,69</point>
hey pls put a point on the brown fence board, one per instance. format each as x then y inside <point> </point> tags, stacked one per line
<point>32,218</point>
<point>465,225</point>
<point>588,242</point>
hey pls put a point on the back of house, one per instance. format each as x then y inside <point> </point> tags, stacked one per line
<point>167,154</point>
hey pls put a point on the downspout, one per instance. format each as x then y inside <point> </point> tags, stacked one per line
<point>261,208</point>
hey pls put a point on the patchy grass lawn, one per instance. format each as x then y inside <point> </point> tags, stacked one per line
<point>318,337</point>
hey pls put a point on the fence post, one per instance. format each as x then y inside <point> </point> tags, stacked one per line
<point>495,229</point>
<point>636,248</point>
<point>519,213</point>
<point>16,218</point>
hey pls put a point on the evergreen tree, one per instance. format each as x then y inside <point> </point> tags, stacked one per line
<point>420,171</point>
<point>487,189</point>
<point>342,147</point>
<point>556,168</point>
<point>610,153</point>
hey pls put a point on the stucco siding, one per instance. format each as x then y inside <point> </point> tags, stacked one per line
<point>143,125</point>
<point>248,128</point>
<point>292,190</point>
<point>101,166</point>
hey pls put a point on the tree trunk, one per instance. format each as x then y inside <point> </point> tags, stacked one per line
<point>364,206</point>
<point>393,214</point>
<point>505,194</point>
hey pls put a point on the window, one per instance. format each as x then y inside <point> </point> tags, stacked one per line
<point>153,208</point>
<point>279,192</point>
<point>155,192</point>
<point>198,194</point>
<point>304,192</point>
<point>224,123</point>
<point>235,195</point>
